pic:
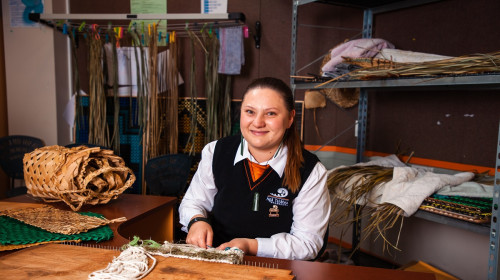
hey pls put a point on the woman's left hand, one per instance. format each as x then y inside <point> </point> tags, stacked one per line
<point>249,246</point>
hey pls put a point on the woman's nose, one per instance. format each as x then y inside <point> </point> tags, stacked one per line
<point>259,121</point>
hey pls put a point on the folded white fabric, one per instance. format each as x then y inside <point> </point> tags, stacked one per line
<point>355,49</point>
<point>402,56</point>
<point>409,187</point>
<point>469,189</point>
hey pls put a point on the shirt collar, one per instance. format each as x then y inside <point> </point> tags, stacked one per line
<point>277,163</point>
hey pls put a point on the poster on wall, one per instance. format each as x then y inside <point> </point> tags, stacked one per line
<point>20,10</point>
<point>213,6</point>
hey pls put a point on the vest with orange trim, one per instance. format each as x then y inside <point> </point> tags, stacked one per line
<point>235,214</point>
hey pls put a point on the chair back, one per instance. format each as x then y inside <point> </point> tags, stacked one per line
<point>12,150</point>
<point>167,175</point>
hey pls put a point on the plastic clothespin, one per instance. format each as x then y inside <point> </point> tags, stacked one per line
<point>149,29</point>
<point>245,31</point>
<point>94,28</point>
<point>159,37</point>
<point>106,39</point>
<point>172,37</point>
<point>129,27</point>
<point>65,29</point>
<point>81,26</point>
<point>167,38</point>
<point>202,28</point>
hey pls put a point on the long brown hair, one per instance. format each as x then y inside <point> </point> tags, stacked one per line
<point>291,138</point>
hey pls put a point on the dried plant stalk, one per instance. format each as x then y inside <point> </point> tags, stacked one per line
<point>352,189</point>
<point>98,128</point>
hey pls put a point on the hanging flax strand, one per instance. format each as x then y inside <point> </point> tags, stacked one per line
<point>98,128</point>
<point>154,131</point>
<point>115,139</point>
<point>190,143</point>
<point>355,187</point>
<point>172,108</point>
<point>76,83</point>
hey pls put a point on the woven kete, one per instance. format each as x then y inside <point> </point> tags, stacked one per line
<point>76,176</point>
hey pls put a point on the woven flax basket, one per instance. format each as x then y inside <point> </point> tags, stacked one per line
<point>76,176</point>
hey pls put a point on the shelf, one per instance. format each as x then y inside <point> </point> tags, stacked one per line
<point>477,228</point>
<point>486,81</point>
<point>376,6</point>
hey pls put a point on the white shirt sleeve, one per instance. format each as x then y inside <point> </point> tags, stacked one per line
<point>311,213</point>
<point>199,197</point>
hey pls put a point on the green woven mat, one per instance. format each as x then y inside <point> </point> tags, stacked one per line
<point>15,232</point>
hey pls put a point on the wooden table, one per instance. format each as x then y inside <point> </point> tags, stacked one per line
<point>152,217</point>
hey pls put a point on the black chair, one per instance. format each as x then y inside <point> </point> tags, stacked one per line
<point>12,150</point>
<point>167,175</point>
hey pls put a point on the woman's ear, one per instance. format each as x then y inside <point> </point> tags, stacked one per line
<point>292,117</point>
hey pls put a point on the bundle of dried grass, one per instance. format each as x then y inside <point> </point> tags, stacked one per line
<point>154,124</point>
<point>355,187</point>
<point>98,128</point>
<point>172,105</point>
<point>462,65</point>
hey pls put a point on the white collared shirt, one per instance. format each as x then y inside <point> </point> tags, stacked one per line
<point>311,207</point>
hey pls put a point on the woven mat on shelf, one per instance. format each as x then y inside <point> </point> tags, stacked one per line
<point>475,210</point>
<point>58,221</point>
<point>15,232</point>
<point>76,176</point>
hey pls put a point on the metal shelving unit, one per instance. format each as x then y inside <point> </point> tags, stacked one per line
<point>483,81</point>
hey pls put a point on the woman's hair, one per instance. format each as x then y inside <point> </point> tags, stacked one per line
<point>291,138</point>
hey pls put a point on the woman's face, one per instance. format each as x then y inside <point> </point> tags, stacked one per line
<point>264,120</point>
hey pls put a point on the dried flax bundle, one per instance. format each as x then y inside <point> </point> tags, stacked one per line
<point>154,125</point>
<point>356,187</point>
<point>98,128</point>
<point>462,65</point>
<point>190,144</point>
<point>172,106</point>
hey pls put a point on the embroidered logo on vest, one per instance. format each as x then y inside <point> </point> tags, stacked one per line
<point>279,198</point>
<point>274,211</point>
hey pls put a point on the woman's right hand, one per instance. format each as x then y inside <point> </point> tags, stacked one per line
<point>200,234</point>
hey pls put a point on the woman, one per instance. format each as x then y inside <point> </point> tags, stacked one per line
<point>260,192</point>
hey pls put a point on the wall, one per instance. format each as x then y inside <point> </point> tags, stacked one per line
<point>394,116</point>
<point>30,75</point>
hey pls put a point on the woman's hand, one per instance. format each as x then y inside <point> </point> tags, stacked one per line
<point>249,246</point>
<point>200,234</point>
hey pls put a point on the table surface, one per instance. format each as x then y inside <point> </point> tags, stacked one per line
<point>137,207</point>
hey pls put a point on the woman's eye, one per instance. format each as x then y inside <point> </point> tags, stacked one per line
<point>249,112</point>
<point>271,113</point>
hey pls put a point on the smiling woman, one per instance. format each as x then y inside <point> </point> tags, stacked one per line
<point>260,192</point>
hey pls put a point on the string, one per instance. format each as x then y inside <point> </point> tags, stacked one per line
<point>132,263</point>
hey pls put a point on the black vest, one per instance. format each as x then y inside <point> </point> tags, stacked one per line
<point>233,215</point>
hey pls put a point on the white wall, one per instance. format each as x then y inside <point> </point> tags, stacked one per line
<point>30,78</point>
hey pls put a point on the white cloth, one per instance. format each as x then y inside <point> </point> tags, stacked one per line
<point>311,207</point>
<point>368,47</point>
<point>409,185</point>
<point>470,189</point>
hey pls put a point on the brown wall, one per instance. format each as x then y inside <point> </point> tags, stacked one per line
<point>468,120</point>
<point>4,180</point>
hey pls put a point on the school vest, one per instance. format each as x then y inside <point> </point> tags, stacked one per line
<point>235,213</point>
